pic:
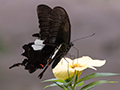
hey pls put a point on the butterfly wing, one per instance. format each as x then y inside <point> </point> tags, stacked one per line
<point>38,53</point>
<point>59,36</point>
<point>61,24</point>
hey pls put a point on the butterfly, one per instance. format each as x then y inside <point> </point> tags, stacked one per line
<point>52,43</point>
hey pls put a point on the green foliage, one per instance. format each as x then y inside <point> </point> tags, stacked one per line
<point>96,83</point>
<point>54,80</point>
<point>72,83</point>
<point>96,75</point>
<point>55,84</point>
<point>80,84</point>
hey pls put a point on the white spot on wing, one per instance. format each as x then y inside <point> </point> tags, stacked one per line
<point>38,44</point>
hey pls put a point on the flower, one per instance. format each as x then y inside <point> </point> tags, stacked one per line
<point>85,62</point>
<point>67,67</point>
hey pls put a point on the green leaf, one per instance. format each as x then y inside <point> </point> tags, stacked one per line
<point>96,75</point>
<point>54,80</point>
<point>59,84</point>
<point>55,84</point>
<point>67,83</point>
<point>96,83</point>
<point>80,84</point>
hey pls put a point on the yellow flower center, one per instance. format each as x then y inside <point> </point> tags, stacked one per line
<point>76,65</point>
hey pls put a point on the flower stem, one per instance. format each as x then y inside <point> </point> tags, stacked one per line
<point>72,87</point>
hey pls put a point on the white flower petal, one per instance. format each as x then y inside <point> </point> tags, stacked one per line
<point>63,72</point>
<point>65,61</point>
<point>97,63</point>
<point>92,67</point>
<point>85,60</point>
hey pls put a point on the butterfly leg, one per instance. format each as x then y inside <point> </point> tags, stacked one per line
<point>67,66</point>
<point>77,51</point>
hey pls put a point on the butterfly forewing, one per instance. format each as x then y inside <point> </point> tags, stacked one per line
<point>45,20</point>
<point>61,24</point>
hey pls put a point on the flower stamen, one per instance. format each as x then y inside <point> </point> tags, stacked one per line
<point>76,65</point>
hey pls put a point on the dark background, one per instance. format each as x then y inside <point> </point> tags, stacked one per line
<point>18,21</point>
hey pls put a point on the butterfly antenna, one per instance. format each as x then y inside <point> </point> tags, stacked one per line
<point>84,37</point>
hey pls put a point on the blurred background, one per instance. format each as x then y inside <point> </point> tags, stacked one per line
<point>18,21</point>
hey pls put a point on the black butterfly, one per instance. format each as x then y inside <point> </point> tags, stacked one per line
<point>52,43</point>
